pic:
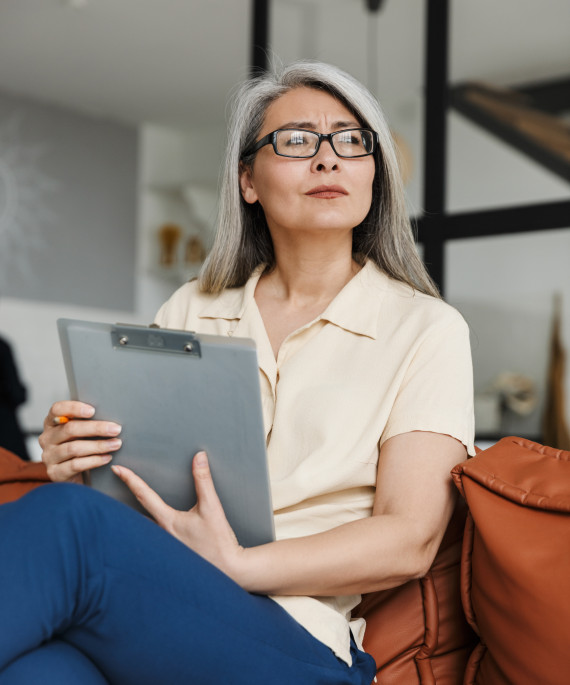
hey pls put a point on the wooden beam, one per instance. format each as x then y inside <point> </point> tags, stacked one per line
<point>506,114</point>
<point>549,96</point>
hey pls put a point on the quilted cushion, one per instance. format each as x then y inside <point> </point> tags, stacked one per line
<point>417,633</point>
<point>516,563</point>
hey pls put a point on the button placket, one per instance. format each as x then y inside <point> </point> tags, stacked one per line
<point>232,325</point>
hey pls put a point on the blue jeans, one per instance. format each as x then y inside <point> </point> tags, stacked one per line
<point>92,592</point>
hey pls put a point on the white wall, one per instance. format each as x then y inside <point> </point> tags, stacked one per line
<point>178,179</point>
<point>174,168</point>
<point>67,193</point>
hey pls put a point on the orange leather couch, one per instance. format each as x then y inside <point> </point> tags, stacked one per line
<point>417,633</point>
<point>18,476</point>
<point>509,578</point>
<point>494,608</point>
<point>515,580</point>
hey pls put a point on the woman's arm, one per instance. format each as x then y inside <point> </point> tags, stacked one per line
<point>413,504</point>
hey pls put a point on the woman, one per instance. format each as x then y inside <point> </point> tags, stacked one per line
<point>367,397</point>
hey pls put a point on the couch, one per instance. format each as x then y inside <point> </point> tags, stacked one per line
<point>494,609</point>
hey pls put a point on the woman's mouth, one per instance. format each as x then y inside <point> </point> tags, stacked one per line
<point>327,192</point>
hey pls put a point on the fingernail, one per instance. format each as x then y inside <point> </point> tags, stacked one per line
<point>106,458</point>
<point>201,459</point>
<point>114,444</point>
<point>87,411</point>
<point>114,429</point>
<point>116,470</point>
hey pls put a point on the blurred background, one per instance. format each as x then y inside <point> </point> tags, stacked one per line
<point>112,127</point>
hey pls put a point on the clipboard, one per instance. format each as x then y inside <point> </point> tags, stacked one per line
<point>176,393</point>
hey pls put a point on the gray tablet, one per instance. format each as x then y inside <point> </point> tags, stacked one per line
<point>175,393</point>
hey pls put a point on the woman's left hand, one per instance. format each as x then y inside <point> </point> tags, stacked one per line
<point>204,528</point>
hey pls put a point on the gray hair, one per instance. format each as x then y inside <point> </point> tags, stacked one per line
<point>243,241</point>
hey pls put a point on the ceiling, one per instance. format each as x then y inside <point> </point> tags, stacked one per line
<point>174,62</point>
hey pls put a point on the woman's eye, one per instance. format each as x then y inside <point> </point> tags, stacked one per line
<point>297,139</point>
<point>349,139</point>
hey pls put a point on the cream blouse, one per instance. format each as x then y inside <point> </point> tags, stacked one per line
<point>381,360</point>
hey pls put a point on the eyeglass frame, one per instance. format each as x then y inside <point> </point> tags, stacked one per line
<point>271,138</point>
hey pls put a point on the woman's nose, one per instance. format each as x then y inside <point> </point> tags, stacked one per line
<point>326,158</point>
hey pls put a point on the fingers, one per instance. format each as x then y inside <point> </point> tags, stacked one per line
<point>205,490</point>
<point>76,444</point>
<point>204,528</point>
<point>214,538</point>
<point>147,497</point>
<point>75,429</point>
<point>72,469</point>
<point>70,409</point>
<point>65,461</point>
<point>155,505</point>
<point>207,497</point>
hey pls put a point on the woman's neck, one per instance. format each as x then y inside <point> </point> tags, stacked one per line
<point>310,281</point>
<point>308,274</point>
<point>299,289</point>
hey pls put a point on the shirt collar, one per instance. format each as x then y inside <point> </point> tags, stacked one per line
<point>355,308</point>
<point>232,302</point>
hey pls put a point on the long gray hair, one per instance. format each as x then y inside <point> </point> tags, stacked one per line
<point>243,241</point>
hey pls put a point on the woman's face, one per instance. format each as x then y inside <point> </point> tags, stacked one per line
<point>322,193</point>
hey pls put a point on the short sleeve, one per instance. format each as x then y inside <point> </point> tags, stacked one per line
<point>436,393</point>
<point>176,312</point>
<point>161,318</point>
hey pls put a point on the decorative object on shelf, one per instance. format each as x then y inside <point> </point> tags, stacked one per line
<point>554,426</point>
<point>195,252</point>
<point>169,237</point>
<point>178,228</point>
<point>517,392</point>
<point>508,393</point>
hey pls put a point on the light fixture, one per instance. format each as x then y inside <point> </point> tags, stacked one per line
<point>374,5</point>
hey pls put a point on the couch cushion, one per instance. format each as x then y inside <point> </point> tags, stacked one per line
<point>417,632</point>
<point>18,476</point>
<point>516,563</point>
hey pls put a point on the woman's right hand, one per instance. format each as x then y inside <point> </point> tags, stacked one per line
<point>78,445</point>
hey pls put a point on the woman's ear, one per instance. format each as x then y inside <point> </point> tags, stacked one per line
<point>246,184</point>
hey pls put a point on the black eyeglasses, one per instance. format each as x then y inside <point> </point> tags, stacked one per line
<point>301,144</point>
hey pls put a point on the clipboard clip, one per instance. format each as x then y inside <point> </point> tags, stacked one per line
<point>154,339</point>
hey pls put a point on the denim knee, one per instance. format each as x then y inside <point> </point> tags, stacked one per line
<point>60,502</point>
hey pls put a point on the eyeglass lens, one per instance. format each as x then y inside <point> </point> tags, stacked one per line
<point>349,143</point>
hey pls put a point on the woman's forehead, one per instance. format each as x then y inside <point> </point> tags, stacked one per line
<point>309,108</point>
